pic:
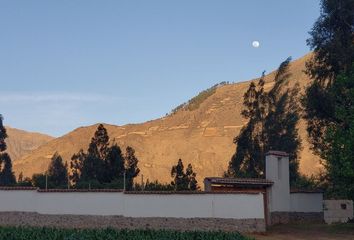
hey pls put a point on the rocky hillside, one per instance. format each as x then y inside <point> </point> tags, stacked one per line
<point>20,143</point>
<point>201,134</point>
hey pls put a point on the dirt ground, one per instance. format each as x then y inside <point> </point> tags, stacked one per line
<point>308,231</point>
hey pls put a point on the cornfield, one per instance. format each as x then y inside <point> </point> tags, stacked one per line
<point>29,233</point>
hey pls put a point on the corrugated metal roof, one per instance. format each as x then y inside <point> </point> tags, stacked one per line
<point>241,181</point>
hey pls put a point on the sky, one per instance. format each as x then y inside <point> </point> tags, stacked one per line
<point>71,63</point>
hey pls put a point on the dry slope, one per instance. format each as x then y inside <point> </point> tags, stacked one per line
<point>202,136</point>
<point>20,143</point>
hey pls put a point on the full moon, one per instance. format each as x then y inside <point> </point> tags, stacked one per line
<point>255,44</point>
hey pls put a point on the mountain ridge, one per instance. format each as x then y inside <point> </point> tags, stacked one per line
<point>21,142</point>
<point>202,136</point>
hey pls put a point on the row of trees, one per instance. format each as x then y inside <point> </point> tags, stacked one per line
<point>101,166</point>
<point>182,180</point>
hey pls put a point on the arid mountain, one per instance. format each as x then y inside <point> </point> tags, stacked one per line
<point>20,143</point>
<point>201,134</point>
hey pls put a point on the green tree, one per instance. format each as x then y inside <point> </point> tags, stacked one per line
<point>92,169</point>
<point>7,176</point>
<point>91,165</point>
<point>39,180</point>
<point>191,178</point>
<point>114,163</point>
<point>328,102</point>
<point>272,125</point>
<point>99,145</point>
<point>332,40</point>
<point>76,165</point>
<point>103,166</point>
<point>3,135</point>
<point>248,160</point>
<point>283,114</point>
<point>339,160</point>
<point>183,180</point>
<point>58,172</point>
<point>179,177</point>
<point>131,167</point>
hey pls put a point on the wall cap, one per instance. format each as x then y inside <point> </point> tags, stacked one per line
<point>121,191</point>
<point>277,153</point>
<point>79,190</point>
<point>14,188</point>
<point>189,192</point>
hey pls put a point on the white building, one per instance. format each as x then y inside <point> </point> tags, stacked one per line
<point>281,204</point>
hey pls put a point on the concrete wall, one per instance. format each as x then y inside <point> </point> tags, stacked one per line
<point>338,210</point>
<point>80,203</point>
<point>228,205</point>
<point>18,201</point>
<point>306,202</point>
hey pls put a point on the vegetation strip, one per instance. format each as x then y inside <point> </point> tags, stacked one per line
<point>28,233</point>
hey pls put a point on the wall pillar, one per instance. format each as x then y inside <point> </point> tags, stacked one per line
<point>277,170</point>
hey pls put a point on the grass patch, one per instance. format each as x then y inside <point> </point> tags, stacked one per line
<point>341,228</point>
<point>29,233</point>
<point>195,102</point>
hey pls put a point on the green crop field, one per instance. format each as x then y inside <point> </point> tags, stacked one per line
<point>29,233</point>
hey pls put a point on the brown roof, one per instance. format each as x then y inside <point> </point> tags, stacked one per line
<point>239,181</point>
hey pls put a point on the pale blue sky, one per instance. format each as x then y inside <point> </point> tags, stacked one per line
<point>70,63</point>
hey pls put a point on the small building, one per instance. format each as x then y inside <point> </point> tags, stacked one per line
<point>218,184</point>
<point>336,211</point>
<point>281,204</point>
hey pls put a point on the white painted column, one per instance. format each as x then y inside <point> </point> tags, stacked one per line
<point>277,170</point>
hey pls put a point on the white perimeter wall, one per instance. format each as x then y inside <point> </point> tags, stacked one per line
<point>236,206</point>
<point>306,202</point>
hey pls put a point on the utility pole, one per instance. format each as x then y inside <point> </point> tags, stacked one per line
<point>124,181</point>
<point>68,182</point>
<point>46,180</point>
<point>142,182</point>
